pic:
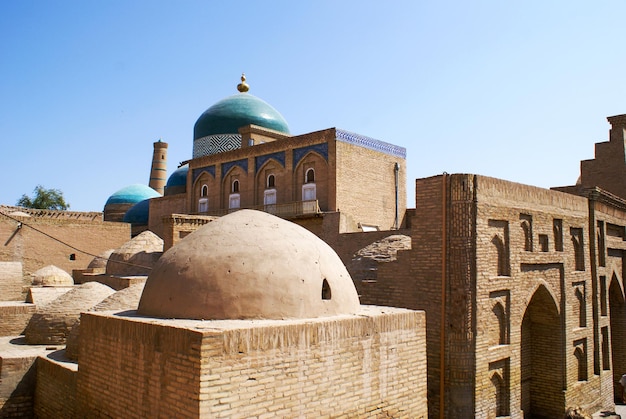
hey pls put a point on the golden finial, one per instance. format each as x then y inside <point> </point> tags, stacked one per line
<point>243,86</point>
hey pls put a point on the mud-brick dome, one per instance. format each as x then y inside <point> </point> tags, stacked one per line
<point>50,276</point>
<point>137,256</point>
<point>247,265</point>
<point>51,323</point>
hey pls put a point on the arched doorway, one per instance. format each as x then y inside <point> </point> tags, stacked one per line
<point>542,358</point>
<point>617,312</point>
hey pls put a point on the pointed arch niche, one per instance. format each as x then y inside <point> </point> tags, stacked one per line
<point>617,321</point>
<point>499,330</point>
<point>500,259</point>
<point>542,372</point>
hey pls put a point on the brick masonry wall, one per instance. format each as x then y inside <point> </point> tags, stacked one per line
<point>366,185</point>
<point>35,250</point>
<point>11,281</point>
<point>55,394</point>
<point>369,365</point>
<point>491,281</point>
<point>15,317</point>
<point>17,386</point>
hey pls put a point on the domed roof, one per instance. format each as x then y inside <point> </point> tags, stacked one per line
<point>178,178</point>
<point>249,264</point>
<point>50,276</point>
<point>132,194</point>
<point>138,213</point>
<point>234,112</point>
<point>52,323</point>
<point>101,260</point>
<point>137,256</point>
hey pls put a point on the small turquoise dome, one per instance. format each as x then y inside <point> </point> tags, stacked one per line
<point>177,182</point>
<point>138,213</point>
<point>132,194</point>
<point>234,112</point>
<point>178,178</point>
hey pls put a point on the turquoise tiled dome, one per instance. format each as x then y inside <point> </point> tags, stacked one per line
<point>138,213</point>
<point>234,112</point>
<point>178,178</point>
<point>132,194</point>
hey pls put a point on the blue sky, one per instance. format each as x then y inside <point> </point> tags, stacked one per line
<point>514,90</point>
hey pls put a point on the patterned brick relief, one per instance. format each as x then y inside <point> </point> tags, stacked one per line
<point>526,223</point>
<point>501,308</point>
<point>499,231</point>
<point>499,376</point>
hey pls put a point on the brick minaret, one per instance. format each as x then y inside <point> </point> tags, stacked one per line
<point>158,171</point>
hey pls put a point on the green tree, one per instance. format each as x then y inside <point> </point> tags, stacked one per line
<point>43,198</point>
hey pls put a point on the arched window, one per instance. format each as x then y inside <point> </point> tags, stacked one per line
<point>235,187</point>
<point>271,181</point>
<point>309,176</point>
<point>204,191</point>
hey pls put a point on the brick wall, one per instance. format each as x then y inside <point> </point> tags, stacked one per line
<point>17,386</point>
<point>507,243</point>
<point>366,185</point>
<point>369,365</point>
<point>55,394</point>
<point>15,316</point>
<point>36,250</point>
<point>11,281</point>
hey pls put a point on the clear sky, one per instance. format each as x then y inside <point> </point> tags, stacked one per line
<point>514,90</point>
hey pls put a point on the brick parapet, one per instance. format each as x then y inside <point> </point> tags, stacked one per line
<point>359,366</point>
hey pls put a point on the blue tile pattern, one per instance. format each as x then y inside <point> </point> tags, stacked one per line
<point>197,172</point>
<point>214,144</point>
<point>261,160</point>
<point>299,153</point>
<point>370,143</point>
<point>243,163</point>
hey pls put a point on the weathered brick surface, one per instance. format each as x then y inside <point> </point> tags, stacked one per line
<point>17,386</point>
<point>11,281</point>
<point>55,394</point>
<point>369,365</point>
<point>522,315</point>
<point>15,316</point>
<point>84,231</point>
